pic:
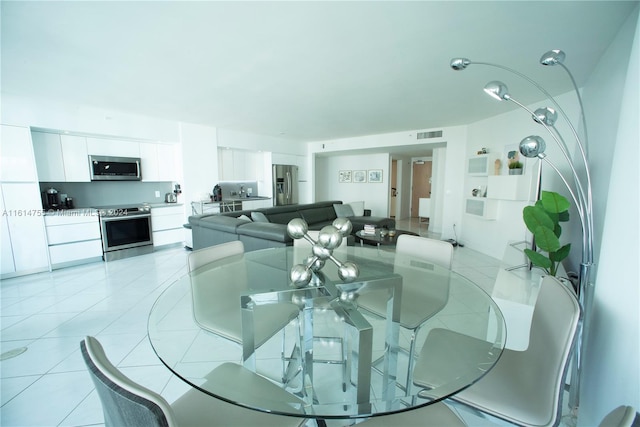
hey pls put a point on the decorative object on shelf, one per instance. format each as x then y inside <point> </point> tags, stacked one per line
<point>534,146</point>
<point>515,168</point>
<point>543,220</point>
<point>359,176</point>
<point>496,167</point>
<point>329,238</point>
<point>344,176</point>
<point>375,175</point>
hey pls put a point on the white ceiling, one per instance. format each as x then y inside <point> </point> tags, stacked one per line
<point>296,69</point>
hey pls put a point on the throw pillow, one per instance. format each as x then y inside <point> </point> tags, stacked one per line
<point>343,211</point>
<point>358,208</point>
<point>246,218</point>
<point>259,217</point>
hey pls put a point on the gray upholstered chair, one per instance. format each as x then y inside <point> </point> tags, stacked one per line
<point>434,415</point>
<point>127,403</point>
<point>420,299</point>
<point>524,387</point>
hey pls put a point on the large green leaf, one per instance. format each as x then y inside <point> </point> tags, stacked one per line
<point>535,217</point>
<point>546,239</point>
<point>554,202</point>
<point>538,259</point>
<point>561,253</point>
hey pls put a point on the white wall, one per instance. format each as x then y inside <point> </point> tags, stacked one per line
<point>200,159</point>
<point>374,195</point>
<point>455,140</point>
<point>611,369</point>
<point>56,115</point>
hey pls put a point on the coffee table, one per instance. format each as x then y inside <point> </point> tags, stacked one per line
<point>377,240</point>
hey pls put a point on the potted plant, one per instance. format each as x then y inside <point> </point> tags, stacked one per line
<point>515,168</point>
<point>543,220</point>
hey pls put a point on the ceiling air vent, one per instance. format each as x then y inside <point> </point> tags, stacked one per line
<point>432,134</point>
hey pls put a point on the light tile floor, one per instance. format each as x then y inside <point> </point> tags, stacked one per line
<point>46,315</point>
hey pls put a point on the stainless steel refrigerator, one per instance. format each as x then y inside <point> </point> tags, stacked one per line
<point>285,185</point>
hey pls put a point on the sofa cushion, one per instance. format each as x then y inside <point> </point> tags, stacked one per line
<point>358,208</point>
<point>266,231</point>
<point>318,214</point>
<point>343,211</point>
<point>259,217</point>
<point>228,224</point>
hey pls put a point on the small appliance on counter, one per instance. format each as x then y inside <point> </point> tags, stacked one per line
<point>51,199</point>
<point>217,193</point>
<point>170,198</point>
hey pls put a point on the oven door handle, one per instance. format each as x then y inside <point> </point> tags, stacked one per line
<point>121,217</point>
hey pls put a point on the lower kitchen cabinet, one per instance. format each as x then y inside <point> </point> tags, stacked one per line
<point>167,224</point>
<point>24,247</point>
<point>74,237</point>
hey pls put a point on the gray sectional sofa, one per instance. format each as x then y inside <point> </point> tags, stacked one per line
<point>267,227</point>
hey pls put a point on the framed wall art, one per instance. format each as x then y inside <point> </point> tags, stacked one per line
<point>375,175</point>
<point>359,176</point>
<point>344,176</point>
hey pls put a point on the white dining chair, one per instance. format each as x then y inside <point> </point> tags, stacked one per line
<point>524,387</point>
<point>421,298</point>
<point>211,254</point>
<point>127,403</point>
<point>434,415</point>
<point>622,416</point>
<point>216,300</point>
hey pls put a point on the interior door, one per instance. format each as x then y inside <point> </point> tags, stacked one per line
<point>421,174</point>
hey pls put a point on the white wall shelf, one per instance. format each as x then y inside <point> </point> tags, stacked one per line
<point>509,187</point>
<point>481,207</point>
<point>478,165</point>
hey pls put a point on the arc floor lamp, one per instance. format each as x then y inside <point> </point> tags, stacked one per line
<point>533,146</point>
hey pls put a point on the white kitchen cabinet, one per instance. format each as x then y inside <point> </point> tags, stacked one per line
<point>16,155</point>
<point>112,147</point>
<point>158,162</point>
<point>167,167</point>
<point>73,237</point>
<point>167,225</point>
<point>239,165</point>
<point>75,158</point>
<point>48,154</point>
<point>26,236</point>
<point>6,253</point>
<point>61,158</point>
<point>149,164</point>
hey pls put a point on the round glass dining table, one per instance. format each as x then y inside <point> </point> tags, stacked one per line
<point>347,351</point>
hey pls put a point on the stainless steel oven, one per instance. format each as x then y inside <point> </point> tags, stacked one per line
<point>126,231</point>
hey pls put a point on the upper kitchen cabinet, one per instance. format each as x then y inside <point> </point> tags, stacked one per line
<point>61,158</point>
<point>112,147</point>
<point>16,154</point>
<point>240,165</point>
<point>158,161</point>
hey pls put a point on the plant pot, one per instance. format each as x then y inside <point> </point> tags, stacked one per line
<point>517,171</point>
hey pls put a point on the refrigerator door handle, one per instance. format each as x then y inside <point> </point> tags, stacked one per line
<point>289,187</point>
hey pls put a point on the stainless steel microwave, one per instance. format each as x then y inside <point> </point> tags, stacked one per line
<point>107,168</point>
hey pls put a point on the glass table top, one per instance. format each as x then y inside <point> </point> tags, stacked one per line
<point>346,352</point>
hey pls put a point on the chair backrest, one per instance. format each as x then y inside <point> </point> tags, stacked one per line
<point>124,402</point>
<point>204,256</point>
<point>622,416</point>
<point>554,324</point>
<point>436,251</point>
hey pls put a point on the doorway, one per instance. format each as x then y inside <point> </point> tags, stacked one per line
<point>421,184</point>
